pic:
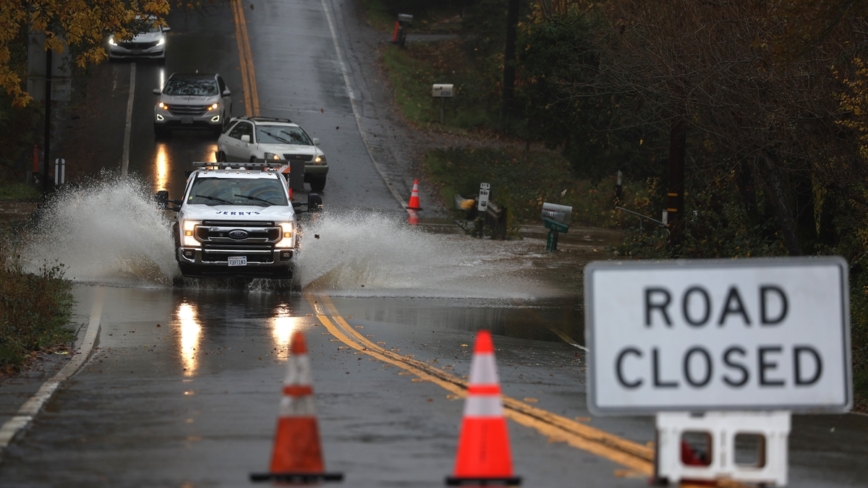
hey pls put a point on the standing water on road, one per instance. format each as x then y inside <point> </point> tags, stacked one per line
<point>364,254</point>
<point>110,231</point>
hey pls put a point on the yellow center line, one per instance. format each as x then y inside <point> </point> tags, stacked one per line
<point>629,454</point>
<point>245,55</point>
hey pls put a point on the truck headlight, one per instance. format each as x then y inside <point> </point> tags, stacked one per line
<point>188,229</point>
<point>319,159</point>
<point>273,156</point>
<point>285,235</point>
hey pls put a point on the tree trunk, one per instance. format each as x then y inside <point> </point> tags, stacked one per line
<point>806,223</point>
<point>509,59</point>
<point>675,195</point>
<point>783,211</point>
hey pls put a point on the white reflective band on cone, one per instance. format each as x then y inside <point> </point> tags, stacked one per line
<point>483,370</point>
<point>297,407</point>
<point>298,371</point>
<point>483,406</point>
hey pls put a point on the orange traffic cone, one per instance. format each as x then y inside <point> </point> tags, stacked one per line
<point>297,457</point>
<point>414,197</point>
<point>483,456</point>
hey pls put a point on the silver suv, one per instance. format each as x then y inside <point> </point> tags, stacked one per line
<point>192,101</point>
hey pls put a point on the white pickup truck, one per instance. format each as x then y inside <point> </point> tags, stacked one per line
<point>237,220</point>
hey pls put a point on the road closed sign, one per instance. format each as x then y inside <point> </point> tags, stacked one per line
<point>702,335</point>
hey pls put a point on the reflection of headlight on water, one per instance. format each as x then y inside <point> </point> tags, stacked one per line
<point>190,332</point>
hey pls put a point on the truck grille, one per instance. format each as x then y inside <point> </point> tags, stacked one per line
<point>185,110</point>
<point>238,235</point>
<point>297,157</point>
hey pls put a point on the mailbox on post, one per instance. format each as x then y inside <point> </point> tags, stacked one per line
<point>442,91</point>
<point>557,218</point>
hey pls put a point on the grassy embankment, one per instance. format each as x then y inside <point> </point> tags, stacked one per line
<point>522,176</point>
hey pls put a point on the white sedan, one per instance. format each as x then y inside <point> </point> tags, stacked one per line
<point>266,138</point>
<point>149,42</point>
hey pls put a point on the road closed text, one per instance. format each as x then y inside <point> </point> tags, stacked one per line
<point>723,336</point>
<point>734,366</point>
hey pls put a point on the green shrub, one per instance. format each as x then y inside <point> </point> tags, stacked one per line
<point>34,310</point>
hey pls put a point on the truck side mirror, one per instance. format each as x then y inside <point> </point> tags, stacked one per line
<point>245,138</point>
<point>314,203</point>
<point>157,91</point>
<point>162,200</point>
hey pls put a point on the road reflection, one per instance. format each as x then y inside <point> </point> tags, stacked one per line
<point>161,177</point>
<point>191,332</point>
<point>283,325</point>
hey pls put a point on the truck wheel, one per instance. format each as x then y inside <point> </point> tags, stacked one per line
<point>317,184</point>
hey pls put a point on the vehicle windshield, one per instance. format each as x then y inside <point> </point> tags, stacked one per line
<point>201,87</point>
<point>282,134</point>
<point>237,191</point>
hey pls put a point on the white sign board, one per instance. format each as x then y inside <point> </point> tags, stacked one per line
<point>484,192</point>
<point>701,335</point>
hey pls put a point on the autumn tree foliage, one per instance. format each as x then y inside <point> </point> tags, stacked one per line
<point>81,24</point>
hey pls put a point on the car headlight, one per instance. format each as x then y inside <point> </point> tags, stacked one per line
<point>188,228</point>
<point>319,159</point>
<point>214,106</point>
<point>161,41</point>
<point>163,106</point>
<point>112,41</point>
<point>285,235</point>
<point>273,156</point>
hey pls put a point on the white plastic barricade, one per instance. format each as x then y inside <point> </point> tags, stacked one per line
<point>772,428</point>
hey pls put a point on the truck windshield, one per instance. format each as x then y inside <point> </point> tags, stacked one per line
<point>236,191</point>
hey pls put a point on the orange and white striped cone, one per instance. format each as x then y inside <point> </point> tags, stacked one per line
<point>414,197</point>
<point>483,456</point>
<point>297,456</point>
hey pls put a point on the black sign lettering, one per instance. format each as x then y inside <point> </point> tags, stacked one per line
<point>764,309</point>
<point>655,366</point>
<point>659,304</point>
<point>727,360</point>
<point>797,365</point>
<point>733,305</point>
<point>685,305</point>
<point>687,369</point>
<point>768,365</point>
<point>619,371</point>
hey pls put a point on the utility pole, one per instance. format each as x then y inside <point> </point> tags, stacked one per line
<point>46,148</point>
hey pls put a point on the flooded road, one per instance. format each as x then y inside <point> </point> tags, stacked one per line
<point>183,384</point>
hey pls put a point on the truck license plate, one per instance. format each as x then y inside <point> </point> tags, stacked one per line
<point>186,120</point>
<point>238,261</point>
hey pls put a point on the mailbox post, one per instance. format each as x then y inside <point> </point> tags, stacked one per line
<point>557,218</point>
<point>442,92</point>
<point>400,35</point>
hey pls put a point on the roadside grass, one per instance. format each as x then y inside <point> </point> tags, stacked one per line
<point>35,308</point>
<point>19,191</point>
<point>521,180</point>
<point>414,69</point>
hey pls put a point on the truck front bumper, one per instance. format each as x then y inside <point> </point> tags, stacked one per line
<point>204,262</point>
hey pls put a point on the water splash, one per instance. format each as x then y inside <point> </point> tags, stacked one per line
<point>106,231</point>
<point>110,232</point>
<point>365,254</point>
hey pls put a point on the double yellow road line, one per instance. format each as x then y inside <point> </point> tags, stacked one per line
<point>638,459</point>
<point>245,55</point>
